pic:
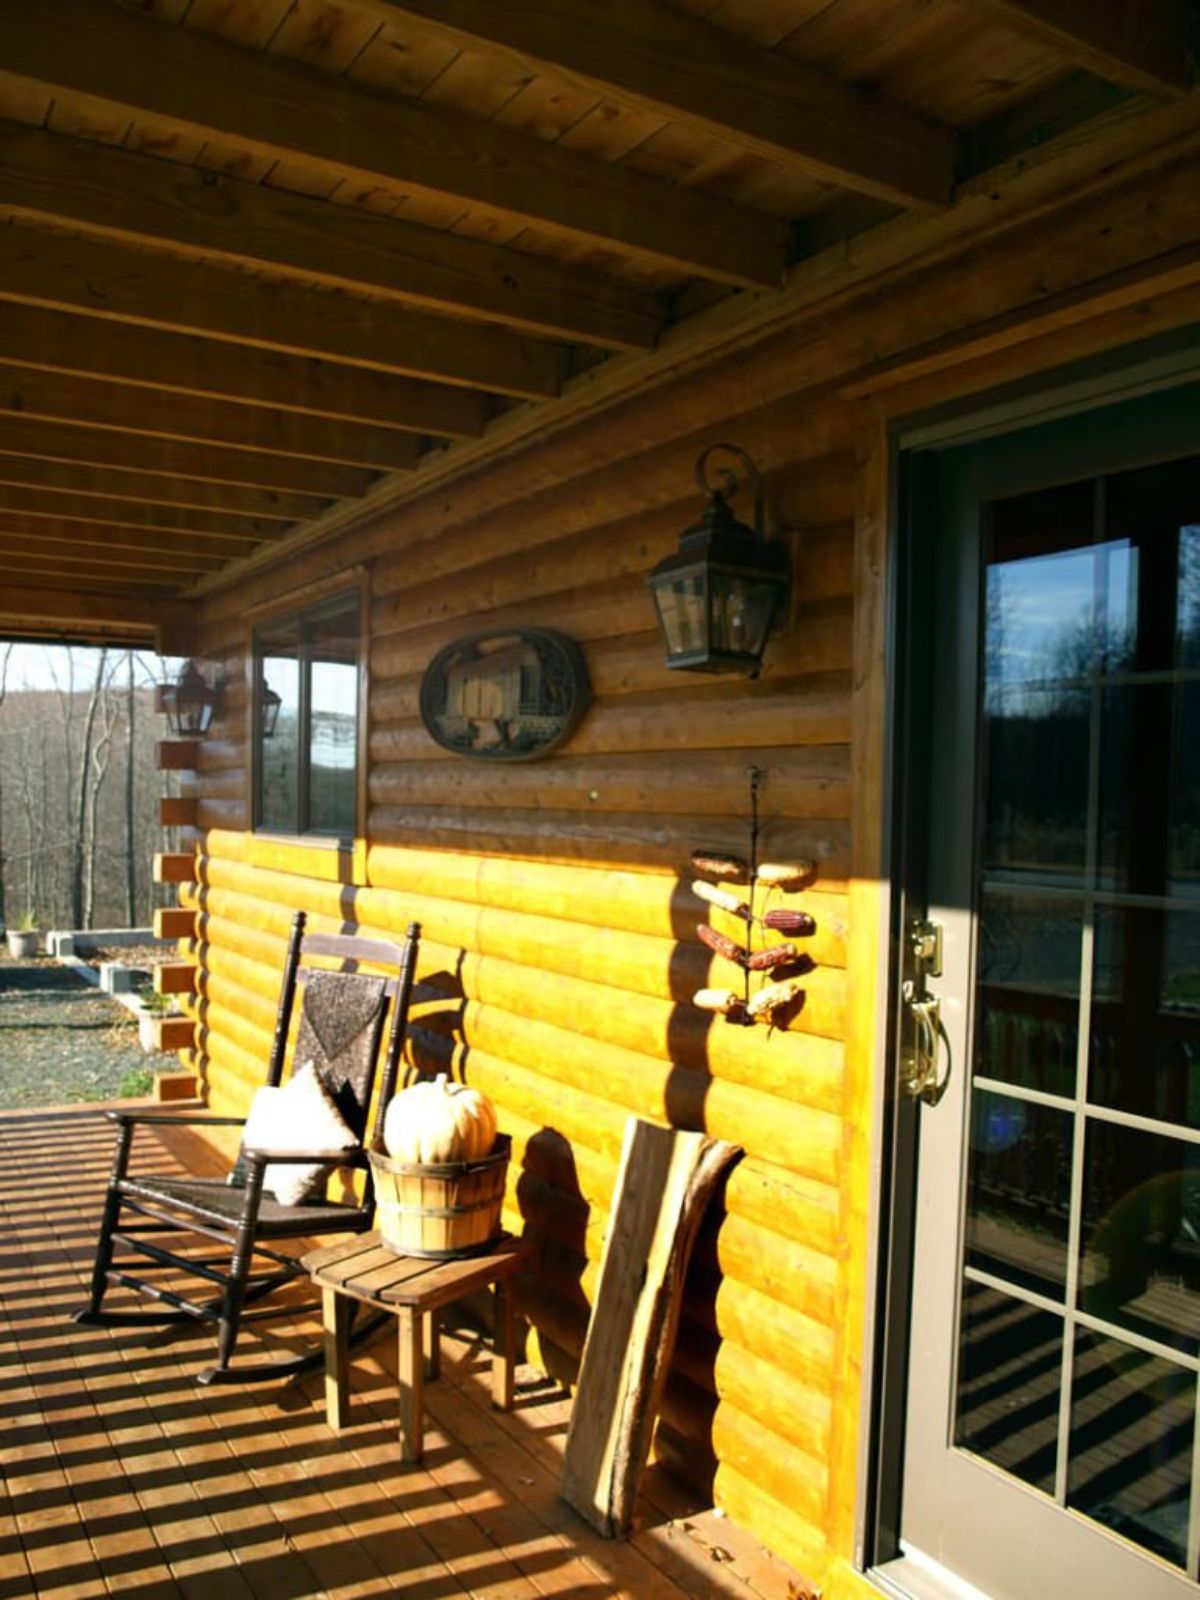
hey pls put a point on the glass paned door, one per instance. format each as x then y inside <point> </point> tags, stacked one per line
<point>1055,1371</point>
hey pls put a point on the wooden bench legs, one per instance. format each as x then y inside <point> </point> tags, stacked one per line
<point>335,1320</point>
<point>503,1340</point>
<point>410,1369</point>
<point>418,1360</point>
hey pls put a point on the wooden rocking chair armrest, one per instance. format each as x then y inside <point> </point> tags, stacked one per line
<point>347,1156</point>
<point>164,1118</point>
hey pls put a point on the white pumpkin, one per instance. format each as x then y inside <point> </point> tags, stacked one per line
<point>434,1122</point>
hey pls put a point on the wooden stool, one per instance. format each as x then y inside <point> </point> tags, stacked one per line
<point>414,1289</point>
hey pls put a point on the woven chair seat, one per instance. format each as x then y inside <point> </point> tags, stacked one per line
<point>214,1200</point>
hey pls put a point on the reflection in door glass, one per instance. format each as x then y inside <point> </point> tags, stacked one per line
<point>1187,633</point>
<point>1145,1034</point>
<point>1079,1340</point>
<point>1133,1422</point>
<point>1140,1238</point>
<point>1027,1016</point>
<point>1035,828</point>
<point>1009,1371</point>
<point>1018,1192</point>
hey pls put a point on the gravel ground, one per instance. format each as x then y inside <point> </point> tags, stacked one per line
<point>142,956</point>
<point>63,1041</point>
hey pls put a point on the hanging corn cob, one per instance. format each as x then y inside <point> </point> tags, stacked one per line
<point>723,1001</point>
<point>720,866</point>
<point>722,945</point>
<point>784,874</point>
<point>764,960</point>
<point>763,1006</point>
<point>797,924</point>
<point>720,897</point>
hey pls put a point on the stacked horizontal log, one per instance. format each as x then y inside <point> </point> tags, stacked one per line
<point>559,952</point>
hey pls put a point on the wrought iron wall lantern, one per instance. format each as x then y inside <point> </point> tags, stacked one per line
<point>717,596</point>
<point>190,703</point>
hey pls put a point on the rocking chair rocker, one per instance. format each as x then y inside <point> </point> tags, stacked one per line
<point>341,1025</point>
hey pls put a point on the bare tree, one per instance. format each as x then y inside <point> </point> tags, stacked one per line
<point>130,868</point>
<point>94,775</point>
<point>80,794</point>
<point>48,770</point>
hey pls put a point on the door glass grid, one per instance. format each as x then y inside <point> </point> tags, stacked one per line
<point>1079,1334</point>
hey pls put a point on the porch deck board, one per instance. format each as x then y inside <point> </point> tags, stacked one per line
<point>120,1475</point>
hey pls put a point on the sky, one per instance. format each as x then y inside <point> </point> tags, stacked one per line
<point>33,666</point>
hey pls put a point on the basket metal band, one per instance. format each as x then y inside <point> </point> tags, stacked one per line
<point>396,1209</point>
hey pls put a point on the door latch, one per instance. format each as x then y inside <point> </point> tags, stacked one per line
<point>922,1031</point>
<point>925,947</point>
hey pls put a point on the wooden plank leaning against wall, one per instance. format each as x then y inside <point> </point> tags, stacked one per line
<point>560,949</point>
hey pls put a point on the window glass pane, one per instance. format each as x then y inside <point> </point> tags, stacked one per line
<point>1040,584</point>
<point>1018,1191</point>
<point>1183,836</point>
<point>1188,611</point>
<point>1145,1024</point>
<point>1009,1380</point>
<point>1133,1418</point>
<point>1140,1239</point>
<point>1028,1011</point>
<point>1035,751</point>
<point>333,721</point>
<point>1149,831</point>
<point>278,755</point>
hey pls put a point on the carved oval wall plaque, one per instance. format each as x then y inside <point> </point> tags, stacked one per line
<point>510,695</point>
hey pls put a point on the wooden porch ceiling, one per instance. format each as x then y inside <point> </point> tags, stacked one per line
<point>123,1477</point>
<point>263,258</point>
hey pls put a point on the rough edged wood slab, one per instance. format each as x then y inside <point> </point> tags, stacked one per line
<point>663,1185</point>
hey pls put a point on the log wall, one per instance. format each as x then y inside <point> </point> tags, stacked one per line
<point>559,949</point>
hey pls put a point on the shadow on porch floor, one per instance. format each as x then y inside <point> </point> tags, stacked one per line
<point>122,1476</point>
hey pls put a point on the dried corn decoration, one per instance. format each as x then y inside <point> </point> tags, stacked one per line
<point>777,989</point>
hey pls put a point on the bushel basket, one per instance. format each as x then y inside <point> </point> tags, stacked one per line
<point>440,1211</point>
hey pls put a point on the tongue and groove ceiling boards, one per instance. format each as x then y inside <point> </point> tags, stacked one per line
<point>265,263</point>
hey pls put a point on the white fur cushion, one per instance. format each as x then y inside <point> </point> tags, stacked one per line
<point>299,1116</point>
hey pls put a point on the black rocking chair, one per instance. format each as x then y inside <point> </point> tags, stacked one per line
<point>341,1024</point>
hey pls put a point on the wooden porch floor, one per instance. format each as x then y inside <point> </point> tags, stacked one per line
<point>121,1476</point>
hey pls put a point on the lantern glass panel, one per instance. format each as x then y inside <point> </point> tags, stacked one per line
<point>682,609</point>
<point>740,611</point>
<point>189,703</point>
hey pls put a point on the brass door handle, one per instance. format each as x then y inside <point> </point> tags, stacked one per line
<point>919,1061</point>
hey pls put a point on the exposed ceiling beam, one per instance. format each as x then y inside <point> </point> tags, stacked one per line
<point>144,581</point>
<point>42,533</point>
<point>138,197</point>
<point>151,489</point>
<point>223,526</point>
<point>112,281</point>
<point>176,458</point>
<point>1142,44</point>
<point>56,341</point>
<point>92,555</point>
<point>55,398</point>
<point>36,607</point>
<point>682,68</point>
<point>285,111</point>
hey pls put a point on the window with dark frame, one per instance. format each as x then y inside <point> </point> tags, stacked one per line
<point>306,723</point>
